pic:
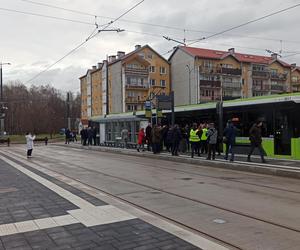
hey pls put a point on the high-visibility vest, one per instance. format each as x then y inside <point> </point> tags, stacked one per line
<point>193,136</point>
<point>204,136</point>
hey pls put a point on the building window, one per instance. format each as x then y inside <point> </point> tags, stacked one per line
<point>208,64</point>
<point>142,55</point>
<point>152,82</point>
<point>152,69</point>
<point>163,83</point>
<point>149,56</point>
<point>129,107</point>
<point>162,70</point>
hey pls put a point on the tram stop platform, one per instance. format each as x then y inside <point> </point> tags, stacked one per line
<point>41,209</point>
<point>277,167</point>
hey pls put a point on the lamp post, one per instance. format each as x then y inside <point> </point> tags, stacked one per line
<point>1,100</point>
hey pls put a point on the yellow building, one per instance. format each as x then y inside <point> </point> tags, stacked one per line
<point>83,91</point>
<point>136,77</point>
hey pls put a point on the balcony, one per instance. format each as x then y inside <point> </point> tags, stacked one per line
<point>137,72</point>
<point>229,71</point>
<point>137,87</point>
<point>133,100</point>
<point>232,85</point>
<point>277,88</point>
<point>262,88</point>
<point>296,82</point>
<point>210,84</point>
<point>279,76</point>
<point>260,74</point>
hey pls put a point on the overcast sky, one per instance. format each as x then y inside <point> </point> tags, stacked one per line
<point>31,43</point>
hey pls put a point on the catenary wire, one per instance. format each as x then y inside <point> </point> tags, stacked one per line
<point>93,34</point>
<point>246,23</point>
<point>153,24</point>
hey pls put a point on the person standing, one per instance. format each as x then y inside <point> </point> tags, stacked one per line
<point>95,136</point>
<point>156,139</point>
<point>141,140</point>
<point>90,136</point>
<point>229,139</point>
<point>256,141</point>
<point>194,140</point>
<point>203,139</point>
<point>148,136</point>
<point>169,139</point>
<point>29,144</point>
<point>68,135</point>
<point>176,138</point>
<point>212,138</point>
<point>125,136</point>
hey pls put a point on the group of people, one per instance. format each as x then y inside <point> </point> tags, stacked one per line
<point>200,139</point>
<point>89,136</point>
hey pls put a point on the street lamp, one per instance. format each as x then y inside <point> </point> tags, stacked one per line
<point>1,100</point>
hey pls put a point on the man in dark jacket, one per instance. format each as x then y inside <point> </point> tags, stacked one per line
<point>256,140</point>
<point>229,139</point>
<point>148,136</point>
<point>212,137</point>
<point>176,138</point>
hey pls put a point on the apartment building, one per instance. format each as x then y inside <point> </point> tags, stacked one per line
<point>123,82</point>
<point>295,78</point>
<point>200,75</point>
<point>135,77</point>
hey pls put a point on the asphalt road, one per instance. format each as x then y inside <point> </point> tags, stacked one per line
<point>245,210</point>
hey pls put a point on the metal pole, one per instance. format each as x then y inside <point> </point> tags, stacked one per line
<point>173,108</point>
<point>1,83</point>
<point>1,103</point>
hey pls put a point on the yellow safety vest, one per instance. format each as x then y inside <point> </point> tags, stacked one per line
<point>193,136</point>
<point>204,136</point>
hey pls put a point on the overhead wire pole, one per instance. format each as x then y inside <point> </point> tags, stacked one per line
<point>93,34</point>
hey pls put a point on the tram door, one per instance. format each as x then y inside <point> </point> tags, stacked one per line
<point>283,133</point>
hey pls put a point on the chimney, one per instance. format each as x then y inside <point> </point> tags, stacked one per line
<point>137,46</point>
<point>111,59</point>
<point>231,51</point>
<point>274,56</point>
<point>120,54</point>
<point>94,67</point>
<point>99,65</point>
<point>294,65</point>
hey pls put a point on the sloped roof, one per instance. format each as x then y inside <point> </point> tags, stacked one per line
<point>219,54</point>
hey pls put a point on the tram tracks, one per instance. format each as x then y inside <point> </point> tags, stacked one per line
<point>216,206</point>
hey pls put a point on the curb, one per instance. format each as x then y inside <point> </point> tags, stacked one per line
<point>244,167</point>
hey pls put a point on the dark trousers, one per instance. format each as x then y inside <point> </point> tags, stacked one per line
<point>229,149</point>
<point>29,152</point>
<point>195,146</point>
<point>175,146</point>
<point>156,148</point>
<point>260,149</point>
<point>203,145</point>
<point>90,141</point>
<point>211,151</point>
<point>95,141</point>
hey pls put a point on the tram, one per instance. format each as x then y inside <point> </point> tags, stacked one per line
<point>279,113</point>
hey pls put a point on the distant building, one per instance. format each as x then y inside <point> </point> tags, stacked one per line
<point>198,75</point>
<point>295,78</point>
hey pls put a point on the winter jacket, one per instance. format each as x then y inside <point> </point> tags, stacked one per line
<point>212,136</point>
<point>230,134</point>
<point>141,137</point>
<point>156,135</point>
<point>255,135</point>
<point>176,136</point>
<point>29,141</point>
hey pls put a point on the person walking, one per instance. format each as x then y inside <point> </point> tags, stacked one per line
<point>229,140</point>
<point>256,141</point>
<point>203,139</point>
<point>176,138</point>
<point>29,144</point>
<point>194,140</point>
<point>212,138</point>
<point>148,136</point>
<point>141,140</point>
